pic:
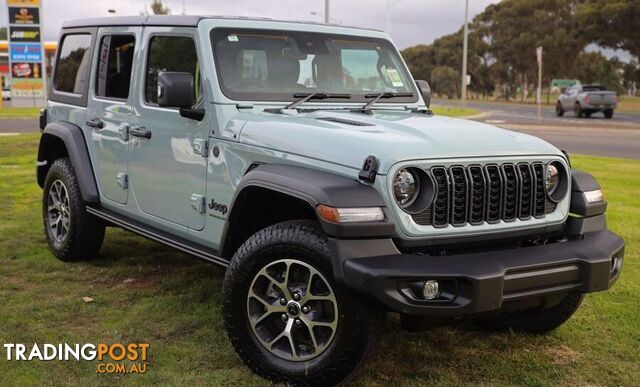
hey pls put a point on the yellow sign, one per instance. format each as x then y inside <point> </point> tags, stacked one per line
<point>23,3</point>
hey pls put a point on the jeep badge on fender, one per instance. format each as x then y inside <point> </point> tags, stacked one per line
<point>346,198</point>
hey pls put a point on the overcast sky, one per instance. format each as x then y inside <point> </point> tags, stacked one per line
<point>411,21</point>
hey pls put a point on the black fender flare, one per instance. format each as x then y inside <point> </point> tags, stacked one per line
<point>76,147</point>
<point>315,188</point>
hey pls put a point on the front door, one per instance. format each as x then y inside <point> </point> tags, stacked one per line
<point>167,172</point>
<point>110,110</point>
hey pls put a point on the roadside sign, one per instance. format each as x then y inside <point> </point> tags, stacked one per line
<point>24,15</point>
<point>25,52</point>
<point>564,83</point>
<point>25,49</point>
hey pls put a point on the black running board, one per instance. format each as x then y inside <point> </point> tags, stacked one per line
<point>158,235</point>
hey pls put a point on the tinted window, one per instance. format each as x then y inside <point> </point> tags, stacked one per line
<point>275,65</point>
<point>170,53</point>
<point>73,63</point>
<point>114,66</point>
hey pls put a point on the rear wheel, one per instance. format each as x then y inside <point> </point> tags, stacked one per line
<point>559,111</point>
<point>285,315</point>
<point>72,233</point>
<point>608,113</point>
<point>577,110</point>
<point>538,320</point>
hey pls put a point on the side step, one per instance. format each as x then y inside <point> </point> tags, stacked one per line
<point>158,235</point>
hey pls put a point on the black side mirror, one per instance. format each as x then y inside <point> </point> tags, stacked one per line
<point>425,91</point>
<point>175,89</point>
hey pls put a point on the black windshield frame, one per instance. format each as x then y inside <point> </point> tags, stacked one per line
<point>219,33</point>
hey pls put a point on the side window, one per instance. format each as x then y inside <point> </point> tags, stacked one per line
<point>114,66</point>
<point>73,64</point>
<point>171,53</point>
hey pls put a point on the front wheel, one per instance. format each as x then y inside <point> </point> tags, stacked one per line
<point>577,110</point>
<point>536,320</point>
<point>285,315</point>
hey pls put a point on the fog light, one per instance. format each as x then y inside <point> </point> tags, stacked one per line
<point>430,290</point>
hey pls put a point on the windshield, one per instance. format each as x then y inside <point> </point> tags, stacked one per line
<point>271,65</point>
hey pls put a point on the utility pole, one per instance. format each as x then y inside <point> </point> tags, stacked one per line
<point>326,12</point>
<point>539,91</point>
<point>463,89</point>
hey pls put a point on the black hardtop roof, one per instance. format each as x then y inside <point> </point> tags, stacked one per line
<point>167,20</point>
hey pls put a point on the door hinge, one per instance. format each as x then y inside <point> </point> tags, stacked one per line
<point>197,203</point>
<point>200,147</point>
<point>123,180</point>
<point>123,131</point>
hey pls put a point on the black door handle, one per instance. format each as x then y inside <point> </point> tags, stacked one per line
<point>140,131</point>
<point>95,123</point>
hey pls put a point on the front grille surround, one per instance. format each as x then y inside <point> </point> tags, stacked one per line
<point>498,194</point>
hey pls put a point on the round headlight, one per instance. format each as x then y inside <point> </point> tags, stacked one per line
<point>552,179</point>
<point>405,187</point>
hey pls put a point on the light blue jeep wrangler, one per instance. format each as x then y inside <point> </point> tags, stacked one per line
<point>305,159</point>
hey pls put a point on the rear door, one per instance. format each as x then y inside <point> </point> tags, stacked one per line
<point>168,169</point>
<point>110,109</point>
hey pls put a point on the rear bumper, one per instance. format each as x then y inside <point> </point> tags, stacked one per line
<point>482,282</point>
<point>597,106</point>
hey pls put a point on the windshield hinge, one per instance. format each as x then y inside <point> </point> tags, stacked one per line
<point>200,147</point>
<point>369,169</point>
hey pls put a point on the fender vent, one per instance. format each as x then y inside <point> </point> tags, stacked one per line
<point>343,121</point>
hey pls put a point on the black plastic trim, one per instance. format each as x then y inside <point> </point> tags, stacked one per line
<point>157,235</point>
<point>582,182</point>
<point>489,278</point>
<point>74,141</point>
<point>317,187</point>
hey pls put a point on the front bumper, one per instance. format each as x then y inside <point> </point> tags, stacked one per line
<point>484,281</point>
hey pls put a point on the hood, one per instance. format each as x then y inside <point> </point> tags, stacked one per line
<point>347,138</point>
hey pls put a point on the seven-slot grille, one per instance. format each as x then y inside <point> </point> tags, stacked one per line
<point>486,193</point>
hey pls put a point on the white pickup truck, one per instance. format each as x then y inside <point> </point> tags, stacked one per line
<point>585,100</point>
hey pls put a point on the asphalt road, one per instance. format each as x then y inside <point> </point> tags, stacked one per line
<point>18,125</point>
<point>597,136</point>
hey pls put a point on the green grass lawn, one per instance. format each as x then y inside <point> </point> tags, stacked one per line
<point>145,292</point>
<point>454,111</point>
<point>14,112</point>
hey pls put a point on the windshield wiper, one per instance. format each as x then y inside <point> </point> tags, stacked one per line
<point>306,97</point>
<point>366,109</point>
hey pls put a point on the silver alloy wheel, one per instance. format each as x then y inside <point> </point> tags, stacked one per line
<point>58,211</point>
<point>292,310</point>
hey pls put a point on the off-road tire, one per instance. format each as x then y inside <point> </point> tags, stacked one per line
<point>85,232</point>
<point>559,110</point>
<point>577,109</point>
<point>535,321</point>
<point>353,339</point>
<point>608,113</point>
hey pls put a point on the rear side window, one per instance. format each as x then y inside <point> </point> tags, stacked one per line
<point>114,66</point>
<point>171,53</point>
<point>74,61</point>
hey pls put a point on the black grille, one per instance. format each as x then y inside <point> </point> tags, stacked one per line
<point>476,194</point>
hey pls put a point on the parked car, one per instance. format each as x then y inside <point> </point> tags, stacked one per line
<point>586,100</point>
<point>304,159</point>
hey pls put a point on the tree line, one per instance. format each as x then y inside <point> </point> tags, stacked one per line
<point>503,39</point>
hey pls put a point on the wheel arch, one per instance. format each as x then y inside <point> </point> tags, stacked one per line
<point>64,139</point>
<point>282,192</point>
